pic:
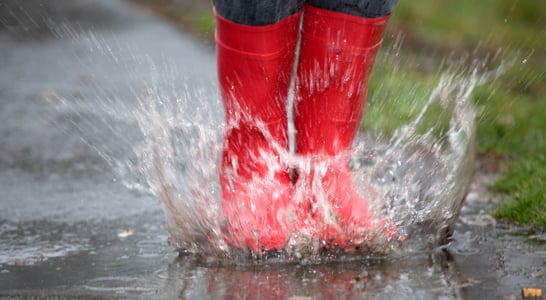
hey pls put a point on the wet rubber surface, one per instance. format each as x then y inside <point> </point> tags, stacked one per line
<point>70,228</point>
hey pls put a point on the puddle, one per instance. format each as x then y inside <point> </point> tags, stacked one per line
<point>491,261</point>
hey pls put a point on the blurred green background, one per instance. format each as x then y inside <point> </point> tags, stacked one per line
<point>511,126</point>
<point>422,39</point>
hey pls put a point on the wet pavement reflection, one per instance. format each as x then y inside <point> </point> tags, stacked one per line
<point>131,258</point>
<point>69,228</point>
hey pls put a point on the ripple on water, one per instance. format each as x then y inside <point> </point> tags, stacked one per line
<point>119,285</point>
<point>150,248</point>
<point>35,242</point>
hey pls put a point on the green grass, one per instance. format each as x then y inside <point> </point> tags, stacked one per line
<point>519,132</point>
<point>512,124</point>
<point>528,205</point>
<point>201,22</point>
<point>403,94</point>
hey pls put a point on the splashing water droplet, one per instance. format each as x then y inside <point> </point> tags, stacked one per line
<point>414,180</point>
<point>427,185</point>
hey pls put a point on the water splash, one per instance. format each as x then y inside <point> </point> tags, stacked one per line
<point>180,164</point>
<point>425,176</point>
<point>419,177</point>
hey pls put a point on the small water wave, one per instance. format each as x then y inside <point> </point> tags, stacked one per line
<point>27,244</point>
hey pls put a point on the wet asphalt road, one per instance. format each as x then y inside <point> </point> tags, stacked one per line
<point>81,51</point>
<point>69,227</point>
<point>59,197</point>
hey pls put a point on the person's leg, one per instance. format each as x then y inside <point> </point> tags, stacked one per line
<point>336,57</point>
<point>255,42</point>
<point>257,12</point>
<point>360,8</point>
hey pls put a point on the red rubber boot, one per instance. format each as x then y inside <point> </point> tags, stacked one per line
<point>254,68</point>
<point>336,57</point>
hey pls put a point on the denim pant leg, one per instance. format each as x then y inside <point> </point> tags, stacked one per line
<point>265,12</point>
<point>361,8</point>
<point>257,12</point>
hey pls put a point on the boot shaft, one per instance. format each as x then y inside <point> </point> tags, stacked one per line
<point>254,70</point>
<point>336,57</point>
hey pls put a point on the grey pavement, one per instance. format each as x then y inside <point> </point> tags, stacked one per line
<point>60,62</point>
<point>82,51</point>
